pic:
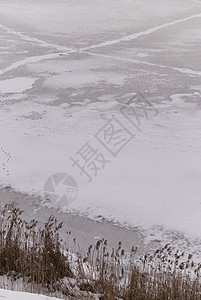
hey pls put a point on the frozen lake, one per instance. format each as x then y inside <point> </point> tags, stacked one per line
<point>67,70</point>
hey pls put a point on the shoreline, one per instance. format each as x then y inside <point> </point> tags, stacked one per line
<point>86,231</point>
<point>83,229</point>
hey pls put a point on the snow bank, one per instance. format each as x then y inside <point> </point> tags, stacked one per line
<point>12,295</point>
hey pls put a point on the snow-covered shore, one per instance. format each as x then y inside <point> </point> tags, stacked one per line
<point>13,295</point>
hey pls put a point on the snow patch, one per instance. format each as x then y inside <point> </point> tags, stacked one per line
<point>16,85</point>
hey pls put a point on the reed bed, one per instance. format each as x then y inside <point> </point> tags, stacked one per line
<point>35,259</point>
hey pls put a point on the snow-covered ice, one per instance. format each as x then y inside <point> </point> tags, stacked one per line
<point>16,85</point>
<point>75,66</point>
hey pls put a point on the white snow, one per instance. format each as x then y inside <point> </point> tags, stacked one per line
<point>13,295</point>
<point>155,179</point>
<point>16,85</point>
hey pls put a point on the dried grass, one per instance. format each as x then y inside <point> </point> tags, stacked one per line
<point>41,260</point>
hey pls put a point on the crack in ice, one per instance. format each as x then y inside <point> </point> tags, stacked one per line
<point>27,60</point>
<point>31,39</point>
<point>104,44</point>
<point>134,36</point>
<point>181,70</point>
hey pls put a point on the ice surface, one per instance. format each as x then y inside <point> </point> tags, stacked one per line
<point>75,66</point>
<point>16,85</point>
